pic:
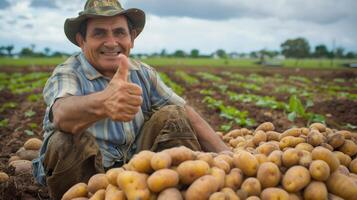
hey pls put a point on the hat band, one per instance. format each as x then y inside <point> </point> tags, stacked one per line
<point>105,10</point>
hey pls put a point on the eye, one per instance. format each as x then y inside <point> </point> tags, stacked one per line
<point>120,32</point>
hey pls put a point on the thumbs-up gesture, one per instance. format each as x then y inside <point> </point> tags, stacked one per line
<point>122,99</point>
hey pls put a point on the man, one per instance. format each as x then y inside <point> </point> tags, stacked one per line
<point>103,107</point>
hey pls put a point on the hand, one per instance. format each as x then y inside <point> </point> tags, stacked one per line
<point>123,99</point>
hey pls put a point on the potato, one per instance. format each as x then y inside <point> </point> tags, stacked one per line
<point>252,186</point>
<point>315,138</point>
<point>316,191</point>
<point>304,146</point>
<point>349,148</point>
<point>97,182</point>
<point>98,195</point>
<point>234,179</point>
<point>268,175</point>
<point>296,178</point>
<point>218,196</point>
<point>190,170</point>
<point>290,157</point>
<point>343,158</point>
<point>353,166</point>
<point>160,160</point>
<point>274,194</point>
<point>222,164</point>
<point>290,141</point>
<point>272,135</point>
<point>113,193</point>
<point>296,132</point>
<point>230,194</point>
<point>201,188</point>
<point>336,140</point>
<point>276,157</point>
<point>321,153</point>
<point>227,158</point>
<point>334,197</point>
<point>235,141</point>
<point>319,170</point>
<point>179,154</point>
<point>133,184</point>
<point>112,175</point>
<point>242,194</point>
<point>22,166</point>
<point>27,154</point>
<point>246,162</point>
<point>3,177</point>
<point>33,144</point>
<point>305,158</point>
<point>261,158</point>
<point>170,193</point>
<point>266,126</point>
<point>267,148</point>
<point>342,186</point>
<point>318,126</point>
<point>77,190</point>
<point>164,178</point>
<point>141,162</point>
<point>327,146</point>
<point>295,196</point>
<point>207,157</point>
<point>259,136</point>
<point>346,134</point>
<point>220,176</point>
<point>235,133</point>
<point>13,158</point>
<point>253,198</point>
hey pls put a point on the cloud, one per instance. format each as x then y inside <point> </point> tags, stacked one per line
<point>43,3</point>
<point>4,4</point>
<point>317,11</point>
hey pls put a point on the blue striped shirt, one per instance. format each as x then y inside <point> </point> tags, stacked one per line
<point>116,139</point>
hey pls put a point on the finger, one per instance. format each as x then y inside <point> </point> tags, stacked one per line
<point>134,89</point>
<point>131,110</point>
<point>123,68</point>
<point>135,100</point>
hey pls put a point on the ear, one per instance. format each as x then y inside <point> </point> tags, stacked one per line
<point>133,35</point>
<point>80,40</point>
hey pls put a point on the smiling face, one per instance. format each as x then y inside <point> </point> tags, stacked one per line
<point>105,39</point>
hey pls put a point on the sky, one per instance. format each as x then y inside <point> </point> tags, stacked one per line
<point>207,25</point>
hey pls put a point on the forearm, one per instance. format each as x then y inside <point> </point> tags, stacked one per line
<point>74,114</point>
<point>207,137</point>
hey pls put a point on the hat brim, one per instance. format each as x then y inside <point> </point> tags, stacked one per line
<point>136,17</point>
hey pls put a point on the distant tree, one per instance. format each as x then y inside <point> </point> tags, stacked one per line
<point>195,53</point>
<point>296,48</point>
<point>321,51</point>
<point>9,49</point>
<point>221,53</point>
<point>339,52</point>
<point>179,53</point>
<point>350,55</point>
<point>253,54</point>
<point>47,51</point>
<point>26,52</point>
<point>33,46</point>
<point>163,53</point>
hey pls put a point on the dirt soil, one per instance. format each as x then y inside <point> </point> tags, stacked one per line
<point>23,187</point>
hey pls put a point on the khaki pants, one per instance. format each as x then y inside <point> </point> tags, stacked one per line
<point>71,159</point>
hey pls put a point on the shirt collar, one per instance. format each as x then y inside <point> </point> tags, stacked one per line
<point>91,73</point>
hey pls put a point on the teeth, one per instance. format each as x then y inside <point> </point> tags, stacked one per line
<point>110,53</point>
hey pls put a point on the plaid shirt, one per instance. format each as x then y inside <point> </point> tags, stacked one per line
<point>115,139</point>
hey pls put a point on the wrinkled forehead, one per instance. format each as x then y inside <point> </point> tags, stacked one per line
<point>108,22</point>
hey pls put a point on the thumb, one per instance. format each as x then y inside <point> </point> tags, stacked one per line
<point>123,68</point>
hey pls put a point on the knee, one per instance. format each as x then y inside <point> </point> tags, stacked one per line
<point>172,111</point>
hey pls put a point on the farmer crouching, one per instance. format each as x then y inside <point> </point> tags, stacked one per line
<point>102,107</point>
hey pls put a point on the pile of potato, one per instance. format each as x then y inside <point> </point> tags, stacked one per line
<point>300,163</point>
<point>22,160</point>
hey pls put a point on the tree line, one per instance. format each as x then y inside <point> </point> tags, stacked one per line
<point>291,48</point>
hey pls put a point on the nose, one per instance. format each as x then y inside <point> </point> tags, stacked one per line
<point>110,41</point>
